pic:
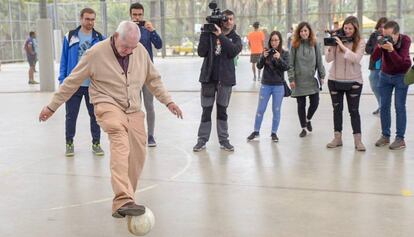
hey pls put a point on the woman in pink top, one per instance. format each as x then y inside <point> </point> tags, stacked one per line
<point>345,78</point>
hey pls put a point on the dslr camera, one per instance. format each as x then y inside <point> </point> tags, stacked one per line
<point>385,40</point>
<point>331,41</point>
<point>216,18</point>
<point>272,51</point>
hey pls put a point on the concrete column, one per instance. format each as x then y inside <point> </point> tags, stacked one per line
<point>301,10</point>
<point>164,39</point>
<point>45,54</point>
<point>288,14</point>
<point>57,38</point>
<point>400,18</point>
<point>55,15</point>
<point>360,13</point>
<point>104,18</point>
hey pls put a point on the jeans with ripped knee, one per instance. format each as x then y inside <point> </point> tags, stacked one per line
<point>266,91</point>
<point>352,91</point>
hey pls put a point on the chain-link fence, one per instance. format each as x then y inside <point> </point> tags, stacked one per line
<point>184,18</point>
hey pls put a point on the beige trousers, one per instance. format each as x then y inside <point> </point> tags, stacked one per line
<point>128,144</point>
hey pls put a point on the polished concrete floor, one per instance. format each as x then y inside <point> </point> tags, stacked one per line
<point>295,187</point>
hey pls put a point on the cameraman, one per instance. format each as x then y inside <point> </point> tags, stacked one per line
<point>217,77</point>
<point>394,54</point>
<point>345,78</point>
<point>375,66</point>
<point>149,37</point>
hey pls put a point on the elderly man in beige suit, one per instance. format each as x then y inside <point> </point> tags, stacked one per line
<point>118,67</point>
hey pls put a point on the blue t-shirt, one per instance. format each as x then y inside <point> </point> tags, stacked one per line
<point>85,42</point>
<point>378,64</point>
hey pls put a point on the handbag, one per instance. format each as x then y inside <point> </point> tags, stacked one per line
<point>288,91</point>
<point>409,76</point>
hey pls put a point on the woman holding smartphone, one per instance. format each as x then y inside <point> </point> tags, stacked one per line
<point>275,62</point>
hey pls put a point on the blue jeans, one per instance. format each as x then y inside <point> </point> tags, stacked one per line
<point>277,92</point>
<point>374,83</point>
<point>386,86</point>
<point>72,111</point>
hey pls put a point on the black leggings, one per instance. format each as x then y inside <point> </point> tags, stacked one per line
<point>353,94</point>
<point>314,102</point>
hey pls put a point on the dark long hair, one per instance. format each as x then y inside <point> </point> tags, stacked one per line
<point>381,21</point>
<point>357,35</point>
<point>279,47</point>
<point>296,35</point>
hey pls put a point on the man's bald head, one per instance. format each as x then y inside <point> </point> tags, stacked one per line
<point>127,37</point>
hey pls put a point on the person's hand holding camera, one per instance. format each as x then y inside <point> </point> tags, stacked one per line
<point>148,25</point>
<point>265,53</point>
<point>276,55</point>
<point>388,46</point>
<point>218,30</point>
<point>339,42</point>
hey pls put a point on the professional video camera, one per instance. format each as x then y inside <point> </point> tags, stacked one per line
<point>216,18</point>
<point>385,39</point>
<point>331,41</point>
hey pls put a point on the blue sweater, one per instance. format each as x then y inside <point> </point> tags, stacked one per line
<point>69,58</point>
<point>148,38</point>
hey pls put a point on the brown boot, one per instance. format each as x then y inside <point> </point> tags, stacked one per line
<point>336,142</point>
<point>358,142</point>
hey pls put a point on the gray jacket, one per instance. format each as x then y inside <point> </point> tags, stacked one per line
<point>304,61</point>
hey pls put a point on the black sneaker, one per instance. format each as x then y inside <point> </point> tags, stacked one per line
<point>303,133</point>
<point>253,136</point>
<point>274,137</point>
<point>151,141</point>
<point>129,209</point>
<point>309,126</point>
<point>225,145</point>
<point>201,145</point>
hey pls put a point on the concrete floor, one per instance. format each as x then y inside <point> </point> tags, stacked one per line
<point>296,187</point>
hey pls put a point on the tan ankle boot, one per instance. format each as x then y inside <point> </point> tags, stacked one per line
<point>337,141</point>
<point>358,142</point>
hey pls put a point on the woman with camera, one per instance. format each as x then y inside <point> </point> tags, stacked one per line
<point>375,66</point>
<point>345,78</point>
<point>275,62</point>
<point>305,61</point>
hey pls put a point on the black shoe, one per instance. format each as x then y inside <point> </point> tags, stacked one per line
<point>303,133</point>
<point>129,209</point>
<point>253,136</point>
<point>201,145</point>
<point>225,145</point>
<point>151,141</point>
<point>274,137</point>
<point>309,126</point>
